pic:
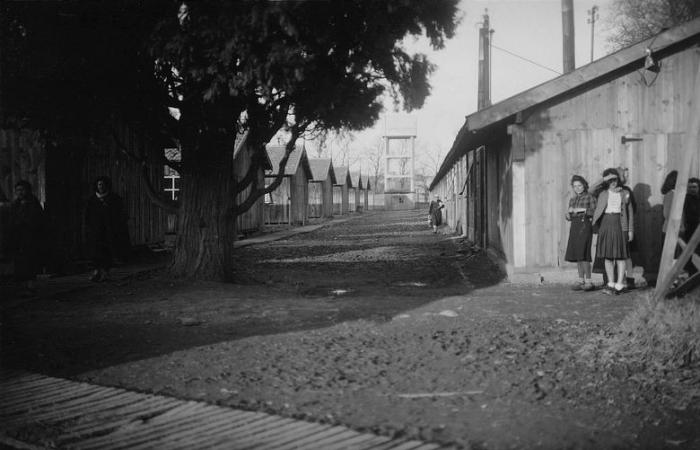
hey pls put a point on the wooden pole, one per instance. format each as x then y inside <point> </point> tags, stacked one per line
<point>662,289</point>
<point>694,258</point>
<point>568,34</point>
<point>691,143</point>
<point>484,81</point>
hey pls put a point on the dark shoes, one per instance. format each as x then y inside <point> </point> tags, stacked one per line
<point>614,290</point>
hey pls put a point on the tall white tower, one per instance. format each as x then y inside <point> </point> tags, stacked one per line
<point>399,162</point>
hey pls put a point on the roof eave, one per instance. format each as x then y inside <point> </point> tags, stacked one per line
<point>663,43</point>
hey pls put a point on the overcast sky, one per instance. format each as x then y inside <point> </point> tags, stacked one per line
<point>531,29</point>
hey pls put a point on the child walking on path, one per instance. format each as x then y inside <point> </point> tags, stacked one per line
<point>616,217</point>
<point>581,208</point>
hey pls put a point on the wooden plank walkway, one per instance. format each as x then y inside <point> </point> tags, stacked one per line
<point>37,411</point>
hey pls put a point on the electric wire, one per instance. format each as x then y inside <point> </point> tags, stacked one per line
<point>525,59</point>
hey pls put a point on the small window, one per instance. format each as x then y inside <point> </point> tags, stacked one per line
<point>172,183</point>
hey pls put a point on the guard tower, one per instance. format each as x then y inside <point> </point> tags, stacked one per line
<point>399,162</point>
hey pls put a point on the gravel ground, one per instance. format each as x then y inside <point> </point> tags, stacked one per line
<point>380,325</point>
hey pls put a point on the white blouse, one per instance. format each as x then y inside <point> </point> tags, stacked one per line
<point>614,203</point>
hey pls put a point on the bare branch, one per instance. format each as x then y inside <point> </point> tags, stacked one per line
<point>296,131</point>
<point>258,137</point>
<point>251,175</point>
<point>140,159</point>
<point>254,195</point>
<point>154,196</point>
<point>257,192</point>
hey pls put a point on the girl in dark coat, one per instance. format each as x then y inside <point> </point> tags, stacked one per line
<point>107,232</point>
<point>435,213</point>
<point>580,213</point>
<point>27,233</point>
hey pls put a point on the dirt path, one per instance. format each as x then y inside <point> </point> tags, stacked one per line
<point>374,323</point>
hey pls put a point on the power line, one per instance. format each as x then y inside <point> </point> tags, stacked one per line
<point>525,59</point>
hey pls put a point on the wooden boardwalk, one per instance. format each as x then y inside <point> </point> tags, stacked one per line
<point>37,411</point>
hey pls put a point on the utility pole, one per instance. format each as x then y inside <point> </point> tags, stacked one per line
<point>484,85</point>
<point>567,17</point>
<point>592,17</point>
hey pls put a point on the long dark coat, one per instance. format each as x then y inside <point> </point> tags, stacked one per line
<point>27,243</point>
<point>435,213</point>
<point>106,226</point>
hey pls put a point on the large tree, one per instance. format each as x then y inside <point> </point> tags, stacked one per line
<point>260,67</point>
<point>635,20</point>
<point>229,67</point>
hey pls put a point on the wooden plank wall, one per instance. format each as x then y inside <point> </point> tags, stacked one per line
<point>251,220</point>
<point>503,201</point>
<point>583,136</point>
<point>327,192</point>
<point>460,205</point>
<point>147,222</point>
<point>300,196</point>
<point>341,199</point>
<point>446,191</point>
<point>482,212</point>
<point>277,211</point>
<point>469,204</point>
<point>352,198</point>
<point>338,200</point>
<point>22,157</point>
<point>63,173</point>
<point>315,199</point>
<point>497,197</point>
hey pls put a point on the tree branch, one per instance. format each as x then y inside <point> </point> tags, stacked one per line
<point>240,186</point>
<point>155,197</point>
<point>256,192</point>
<point>141,159</point>
<point>258,138</point>
<point>297,130</point>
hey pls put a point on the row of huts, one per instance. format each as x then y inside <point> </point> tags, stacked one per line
<point>311,188</point>
<point>506,179</point>
<point>62,170</point>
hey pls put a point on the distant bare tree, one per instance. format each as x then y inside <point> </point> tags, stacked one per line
<point>433,160</point>
<point>321,143</point>
<point>635,20</point>
<point>341,149</point>
<point>375,160</point>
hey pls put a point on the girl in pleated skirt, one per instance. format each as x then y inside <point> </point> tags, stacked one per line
<point>615,217</point>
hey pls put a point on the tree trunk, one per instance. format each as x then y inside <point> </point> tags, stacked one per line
<point>206,222</point>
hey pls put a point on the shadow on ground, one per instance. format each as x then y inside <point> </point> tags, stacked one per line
<point>372,267</point>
